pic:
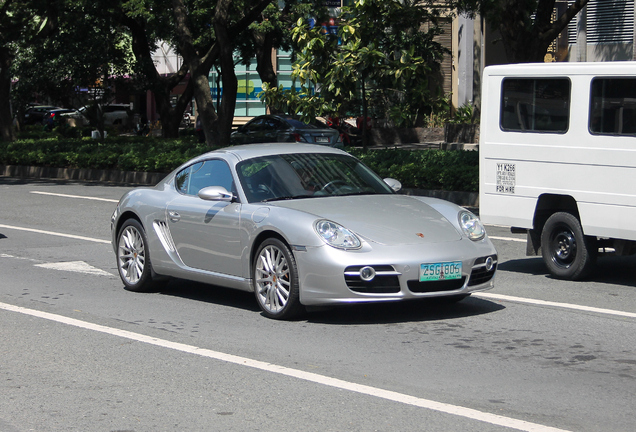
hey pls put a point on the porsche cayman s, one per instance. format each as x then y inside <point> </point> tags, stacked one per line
<point>298,225</point>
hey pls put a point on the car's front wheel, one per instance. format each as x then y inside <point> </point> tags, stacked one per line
<point>275,279</point>
<point>567,251</point>
<point>133,261</point>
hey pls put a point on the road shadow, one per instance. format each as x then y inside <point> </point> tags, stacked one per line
<point>354,314</point>
<point>615,270</point>
<point>421,310</point>
<point>206,293</point>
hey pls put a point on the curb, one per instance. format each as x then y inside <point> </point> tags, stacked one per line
<point>82,174</point>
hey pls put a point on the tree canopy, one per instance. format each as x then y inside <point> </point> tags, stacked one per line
<point>383,59</point>
<point>384,52</point>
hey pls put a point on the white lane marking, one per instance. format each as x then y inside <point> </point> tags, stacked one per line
<point>555,304</point>
<point>55,234</point>
<point>507,239</point>
<point>74,196</point>
<point>295,373</point>
<point>3,255</point>
<point>75,266</point>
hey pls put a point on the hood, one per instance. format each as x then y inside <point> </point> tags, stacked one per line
<point>384,219</point>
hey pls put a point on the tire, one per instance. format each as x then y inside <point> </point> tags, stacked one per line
<point>567,252</point>
<point>275,280</point>
<point>133,260</point>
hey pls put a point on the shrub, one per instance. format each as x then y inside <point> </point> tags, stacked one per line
<point>452,170</point>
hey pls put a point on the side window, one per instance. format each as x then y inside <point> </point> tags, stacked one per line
<point>535,105</point>
<point>254,125</point>
<point>213,172</point>
<point>613,106</point>
<point>271,124</point>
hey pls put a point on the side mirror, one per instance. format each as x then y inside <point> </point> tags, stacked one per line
<point>393,184</point>
<point>215,193</point>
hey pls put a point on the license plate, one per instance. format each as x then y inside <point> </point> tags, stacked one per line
<point>441,271</point>
<point>322,139</point>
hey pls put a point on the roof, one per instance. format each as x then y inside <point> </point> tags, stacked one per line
<point>615,68</point>
<point>249,151</point>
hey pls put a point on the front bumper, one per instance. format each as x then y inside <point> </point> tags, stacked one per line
<point>331,276</point>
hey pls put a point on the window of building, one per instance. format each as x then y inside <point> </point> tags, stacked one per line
<point>248,104</point>
<point>535,105</point>
<point>613,106</point>
<point>605,22</point>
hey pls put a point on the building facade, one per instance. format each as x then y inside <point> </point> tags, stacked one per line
<point>603,31</point>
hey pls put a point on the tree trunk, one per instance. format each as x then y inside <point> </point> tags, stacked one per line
<point>365,134</point>
<point>223,126</point>
<point>217,128</point>
<point>264,43</point>
<point>160,86</point>
<point>6,119</point>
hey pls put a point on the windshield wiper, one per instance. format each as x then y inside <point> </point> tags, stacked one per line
<point>288,197</point>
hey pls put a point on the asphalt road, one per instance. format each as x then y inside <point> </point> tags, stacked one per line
<point>79,353</point>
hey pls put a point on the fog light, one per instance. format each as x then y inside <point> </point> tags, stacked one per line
<point>489,263</point>
<point>367,273</point>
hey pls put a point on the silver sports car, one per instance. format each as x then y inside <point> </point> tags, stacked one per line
<point>298,225</point>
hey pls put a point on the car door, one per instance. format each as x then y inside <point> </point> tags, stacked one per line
<point>206,233</point>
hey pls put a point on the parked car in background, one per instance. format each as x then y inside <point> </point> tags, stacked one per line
<point>278,128</point>
<point>56,116</point>
<point>298,225</point>
<point>114,114</point>
<point>35,114</point>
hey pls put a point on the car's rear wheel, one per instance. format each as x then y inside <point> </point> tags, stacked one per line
<point>133,260</point>
<point>275,279</point>
<point>567,251</point>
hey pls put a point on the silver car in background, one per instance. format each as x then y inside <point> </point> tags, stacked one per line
<point>298,225</point>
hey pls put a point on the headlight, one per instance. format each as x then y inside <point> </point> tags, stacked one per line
<point>336,235</point>
<point>471,225</point>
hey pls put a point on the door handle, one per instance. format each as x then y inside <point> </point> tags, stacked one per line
<point>174,216</point>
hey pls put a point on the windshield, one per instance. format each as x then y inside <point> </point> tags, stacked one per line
<point>307,175</point>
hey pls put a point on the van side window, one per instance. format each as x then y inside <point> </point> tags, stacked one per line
<point>535,105</point>
<point>613,106</point>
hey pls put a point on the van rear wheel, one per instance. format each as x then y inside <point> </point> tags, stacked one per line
<point>567,251</point>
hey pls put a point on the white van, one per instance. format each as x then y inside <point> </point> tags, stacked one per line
<point>558,159</point>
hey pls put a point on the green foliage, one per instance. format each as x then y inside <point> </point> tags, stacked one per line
<point>124,153</point>
<point>382,54</point>
<point>452,170</point>
<point>464,115</point>
<point>87,46</point>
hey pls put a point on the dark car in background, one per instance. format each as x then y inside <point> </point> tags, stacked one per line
<point>278,128</point>
<point>35,114</point>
